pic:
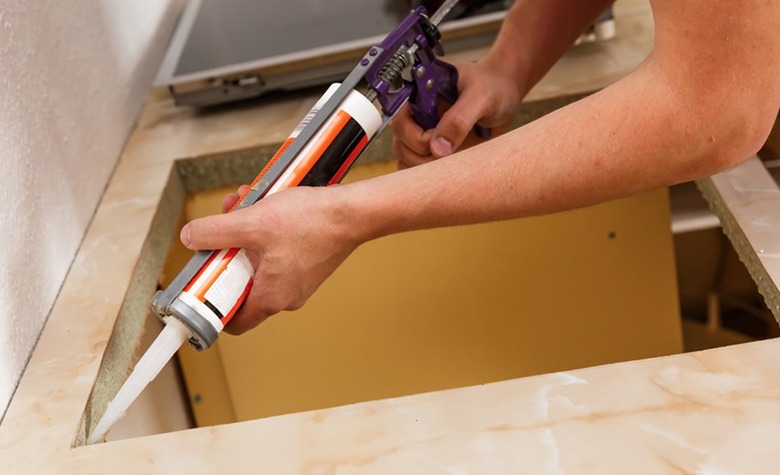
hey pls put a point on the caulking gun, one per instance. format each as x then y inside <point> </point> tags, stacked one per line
<point>213,285</point>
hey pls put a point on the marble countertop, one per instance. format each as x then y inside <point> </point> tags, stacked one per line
<point>713,412</point>
<point>708,412</point>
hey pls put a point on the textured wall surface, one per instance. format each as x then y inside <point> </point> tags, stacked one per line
<point>73,76</point>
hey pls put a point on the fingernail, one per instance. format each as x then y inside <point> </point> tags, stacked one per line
<point>441,147</point>
<point>185,235</point>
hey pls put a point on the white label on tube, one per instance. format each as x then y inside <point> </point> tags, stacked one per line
<point>228,287</point>
<point>316,108</point>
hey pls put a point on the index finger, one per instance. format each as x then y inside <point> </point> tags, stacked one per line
<point>407,131</point>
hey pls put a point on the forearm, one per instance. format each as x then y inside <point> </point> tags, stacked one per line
<point>704,100</point>
<point>631,137</point>
<point>536,33</point>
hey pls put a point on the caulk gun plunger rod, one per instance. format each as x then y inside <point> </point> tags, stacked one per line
<point>445,8</point>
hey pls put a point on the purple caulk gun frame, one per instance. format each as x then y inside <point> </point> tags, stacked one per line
<point>414,42</point>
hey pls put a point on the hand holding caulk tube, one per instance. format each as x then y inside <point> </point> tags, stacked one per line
<point>291,258</point>
<point>488,97</point>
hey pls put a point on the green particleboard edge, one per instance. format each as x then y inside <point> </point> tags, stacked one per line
<point>745,250</point>
<point>129,327</point>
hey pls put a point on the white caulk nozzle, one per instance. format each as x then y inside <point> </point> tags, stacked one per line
<point>147,368</point>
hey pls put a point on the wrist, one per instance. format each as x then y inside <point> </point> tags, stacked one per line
<point>505,92</point>
<point>509,68</point>
<point>347,214</point>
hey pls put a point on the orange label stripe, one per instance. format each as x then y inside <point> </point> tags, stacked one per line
<point>200,293</point>
<point>322,144</point>
<point>201,271</point>
<point>265,170</point>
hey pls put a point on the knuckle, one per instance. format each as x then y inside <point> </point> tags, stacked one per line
<point>272,304</point>
<point>396,147</point>
<point>459,124</point>
<point>395,126</point>
<point>403,153</point>
<point>295,304</point>
<point>256,319</point>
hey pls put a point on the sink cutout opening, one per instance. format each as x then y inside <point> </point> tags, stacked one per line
<point>411,313</point>
<point>439,309</point>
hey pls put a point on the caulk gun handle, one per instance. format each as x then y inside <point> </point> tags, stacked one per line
<point>430,86</point>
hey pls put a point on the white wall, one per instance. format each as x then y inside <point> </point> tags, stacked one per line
<point>73,75</point>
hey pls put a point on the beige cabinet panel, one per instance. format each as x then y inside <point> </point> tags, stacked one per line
<point>453,307</point>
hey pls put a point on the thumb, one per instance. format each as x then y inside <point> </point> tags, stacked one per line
<point>455,125</point>
<point>221,231</point>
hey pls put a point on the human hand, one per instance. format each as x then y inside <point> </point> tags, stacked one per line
<point>294,239</point>
<point>486,96</point>
<point>230,200</point>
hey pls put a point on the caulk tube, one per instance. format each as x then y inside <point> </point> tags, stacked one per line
<point>219,288</point>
